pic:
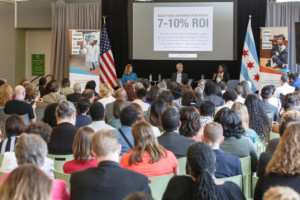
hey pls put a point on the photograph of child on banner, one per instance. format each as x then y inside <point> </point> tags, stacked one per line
<point>91,45</point>
<point>279,53</point>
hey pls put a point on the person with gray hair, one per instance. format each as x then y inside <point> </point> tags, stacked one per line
<point>54,96</point>
<point>74,97</point>
<point>179,77</point>
<point>62,136</point>
<point>162,86</point>
<point>137,86</point>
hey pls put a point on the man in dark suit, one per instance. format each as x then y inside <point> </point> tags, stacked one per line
<point>108,180</point>
<point>74,97</point>
<point>279,52</point>
<point>227,165</point>
<point>266,94</point>
<point>171,139</point>
<point>179,77</point>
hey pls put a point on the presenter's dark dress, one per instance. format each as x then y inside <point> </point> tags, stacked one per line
<point>226,77</point>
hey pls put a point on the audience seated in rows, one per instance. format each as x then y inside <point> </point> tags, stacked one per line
<point>285,88</point>
<point>201,184</point>
<point>88,93</point>
<point>177,93</point>
<point>74,97</point>
<point>168,98</point>
<point>106,92</point>
<point>210,94</point>
<point>190,123</point>
<point>120,94</point>
<point>65,87</point>
<point>112,181</point>
<point>33,96</point>
<point>91,85</point>
<point>156,110</point>
<point>54,96</point>
<point>148,157</point>
<point>83,158</point>
<point>189,99</point>
<point>130,92</point>
<point>83,106</point>
<point>118,106</point>
<point>140,99</point>
<point>266,94</point>
<point>239,90</point>
<point>229,98</point>
<point>97,114</point>
<point>246,88</point>
<point>207,112</point>
<point>152,94</point>
<point>49,115</point>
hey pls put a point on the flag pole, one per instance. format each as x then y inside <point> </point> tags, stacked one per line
<point>250,16</point>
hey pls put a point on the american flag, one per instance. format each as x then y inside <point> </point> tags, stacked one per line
<point>107,64</point>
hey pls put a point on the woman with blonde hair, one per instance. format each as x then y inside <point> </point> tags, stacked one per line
<point>6,93</point>
<point>26,182</point>
<point>284,168</point>
<point>129,77</point>
<point>33,95</point>
<point>242,111</point>
<point>106,92</point>
<point>83,158</point>
<point>148,157</point>
<point>281,193</point>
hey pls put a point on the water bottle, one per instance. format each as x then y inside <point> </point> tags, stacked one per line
<point>202,77</point>
<point>150,77</point>
<point>159,77</point>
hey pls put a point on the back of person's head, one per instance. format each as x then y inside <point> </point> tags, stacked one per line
<point>266,92</point>
<point>285,78</point>
<point>176,90</point>
<point>190,121</point>
<point>97,111</point>
<point>121,94</point>
<point>65,109</point>
<point>173,85</point>
<point>6,93</point>
<point>285,160</point>
<point>88,93</point>
<point>40,128</point>
<point>167,97</point>
<point>223,85</point>
<point>54,86</point>
<point>213,133</point>
<point>2,81</point>
<point>140,111</point>
<point>146,84</point>
<point>153,94</point>
<point>139,196</point>
<point>42,81</point>
<point>32,91</point>
<point>118,106</point>
<point>170,119</point>
<point>49,115</point>
<point>289,101</point>
<point>156,110</point>
<point>231,123</point>
<point>91,85</point>
<point>218,91</point>
<point>138,86</point>
<point>207,108</point>
<point>82,144</point>
<point>129,92</point>
<point>201,160</point>
<point>187,88</point>
<point>281,193</point>
<point>239,90</point>
<point>188,98</point>
<point>288,117</point>
<point>141,93</point>
<point>242,111</point>
<point>105,90</point>
<point>246,88</point>
<point>210,88</point>
<point>297,89</point>
<point>14,125</point>
<point>65,82</point>
<point>198,92</point>
<point>104,143</point>
<point>83,105</point>
<point>31,149</point>
<point>145,141</point>
<point>162,85</point>
<point>26,182</point>
<point>230,95</point>
<point>129,115</point>
<point>77,87</point>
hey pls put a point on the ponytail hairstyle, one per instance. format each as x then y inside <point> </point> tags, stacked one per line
<point>201,160</point>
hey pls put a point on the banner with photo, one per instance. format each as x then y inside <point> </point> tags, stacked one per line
<point>273,55</point>
<point>84,55</point>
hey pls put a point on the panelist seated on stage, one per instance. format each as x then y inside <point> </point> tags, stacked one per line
<point>179,77</point>
<point>129,77</point>
<point>222,74</point>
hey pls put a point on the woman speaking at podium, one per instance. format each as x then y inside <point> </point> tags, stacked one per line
<point>222,74</point>
<point>129,77</point>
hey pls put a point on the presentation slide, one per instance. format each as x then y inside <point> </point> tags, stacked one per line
<point>183,31</point>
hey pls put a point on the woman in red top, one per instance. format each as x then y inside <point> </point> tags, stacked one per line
<point>148,157</point>
<point>83,158</point>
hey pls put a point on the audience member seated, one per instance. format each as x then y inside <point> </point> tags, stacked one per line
<point>294,79</point>
<point>106,92</point>
<point>33,95</point>
<point>201,184</point>
<point>92,86</point>
<point>285,88</point>
<point>156,110</point>
<point>26,182</point>
<point>210,94</point>
<point>9,162</point>
<point>42,85</point>
<point>118,106</point>
<point>14,126</point>
<point>88,93</point>
<point>201,84</point>
<point>140,99</point>
<point>128,76</point>
<point>19,106</point>
<point>266,94</point>
<point>258,118</point>
<point>171,140</point>
<point>207,112</point>
<point>246,88</point>
<point>242,111</point>
<point>129,115</point>
<point>130,92</point>
<point>6,94</point>
<point>111,181</point>
<point>283,168</point>
<point>223,86</point>
<point>227,165</point>
<point>152,95</point>
<point>187,88</point>
<point>74,97</point>
<point>62,136</point>
<point>97,114</point>
<point>189,99</point>
<point>47,88</point>
<point>177,93</point>
<point>49,115</point>
<point>190,123</point>
<point>147,84</point>
<point>137,86</point>
<point>199,93</point>
<point>83,158</point>
<point>148,157</point>
<point>139,196</point>
<point>239,90</point>
<point>235,143</point>
<point>274,101</point>
<point>54,96</point>
<point>65,87</point>
<point>218,90</point>
<point>162,86</point>
<point>280,193</point>
<point>179,77</point>
<point>141,116</point>
<point>229,97</point>
<point>168,98</point>
<point>120,94</point>
<point>83,106</point>
<point>222,74</point>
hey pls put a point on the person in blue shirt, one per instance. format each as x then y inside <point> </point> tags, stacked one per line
<point>294,79</point>
<point>129,77</point>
